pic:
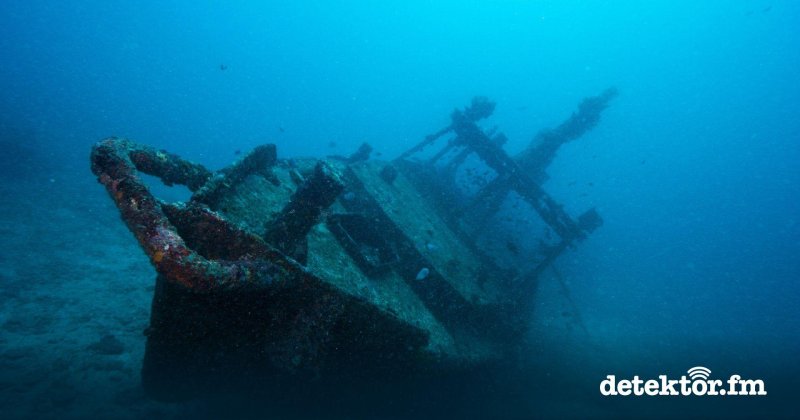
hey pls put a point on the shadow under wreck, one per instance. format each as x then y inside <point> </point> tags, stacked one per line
<point>345,269</point>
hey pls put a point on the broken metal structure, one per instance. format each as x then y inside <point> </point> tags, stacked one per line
<point>279,270</point>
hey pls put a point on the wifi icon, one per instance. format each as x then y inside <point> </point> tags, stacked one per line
<point>699,372</point>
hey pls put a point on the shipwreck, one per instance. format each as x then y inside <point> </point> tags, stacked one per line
<point>305,269</point>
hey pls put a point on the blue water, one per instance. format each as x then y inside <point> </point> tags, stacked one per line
<point>694,166</point>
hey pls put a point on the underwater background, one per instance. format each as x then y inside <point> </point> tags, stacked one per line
<point>693,167</point>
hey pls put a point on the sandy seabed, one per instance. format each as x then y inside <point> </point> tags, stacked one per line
<point>76,293</point>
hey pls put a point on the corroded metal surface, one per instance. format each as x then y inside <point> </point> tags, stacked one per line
<point>116,162</point>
